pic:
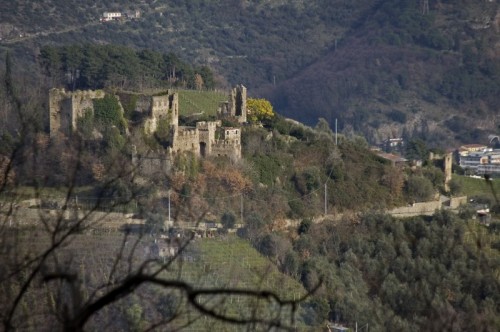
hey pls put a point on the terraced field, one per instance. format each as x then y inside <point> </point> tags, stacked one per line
<point>210,263</point>
<point>200,102</point>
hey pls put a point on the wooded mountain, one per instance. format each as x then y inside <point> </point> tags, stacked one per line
<point>426,69</point>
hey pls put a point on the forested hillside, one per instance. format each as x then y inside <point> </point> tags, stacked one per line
<point>361,266</point>
<point>383,68</point>
<point>97,66</point>
<point>403,72</point>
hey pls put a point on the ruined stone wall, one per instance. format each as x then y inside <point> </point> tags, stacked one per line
<point>173,106</point>
<point>152,166</point>
<point>232,134</point>
<point>159,107</point>
<point>455,202</point>
<point>143,104</point>
<point>239,94</point>
<point>229,144</point>
<point>166,105</point>
<point>417,209</point>
<point>66,107</point>
<point>228,149</point>
<point>236,106</point>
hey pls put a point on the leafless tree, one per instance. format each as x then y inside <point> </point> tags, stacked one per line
<point>58,273</point>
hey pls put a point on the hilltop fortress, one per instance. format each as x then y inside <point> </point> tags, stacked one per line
<point>206,138</point>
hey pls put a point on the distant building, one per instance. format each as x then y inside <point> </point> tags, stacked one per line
<point>133,14</point>
<point>490,163</point>
<point>110,16</point>
<point>479,159</point>
<point>394,159</point>
<point>467,148</point>
<point>394,142</point>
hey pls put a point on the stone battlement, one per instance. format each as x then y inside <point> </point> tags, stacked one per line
<point>184,131</point>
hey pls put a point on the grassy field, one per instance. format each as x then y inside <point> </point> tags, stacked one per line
<point>478,187</point>
<point>231,262</point>
<point>235,263</point>
<point>477,235</point>
<point>206,102</point>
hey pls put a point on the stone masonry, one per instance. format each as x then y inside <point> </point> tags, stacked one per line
<point>207,138</point>
<point>236,106</point>
<point>155,108</point>
<point>66,107</point>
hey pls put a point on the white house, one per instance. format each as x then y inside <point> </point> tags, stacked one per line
<point>109,16</point>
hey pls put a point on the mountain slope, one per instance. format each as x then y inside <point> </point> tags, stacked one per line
<point>383,68</point>
<point>433,76</point>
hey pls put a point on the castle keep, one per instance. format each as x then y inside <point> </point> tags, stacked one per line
<point>207,138</point>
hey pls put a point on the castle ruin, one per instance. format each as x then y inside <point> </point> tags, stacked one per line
<point>66,107</point>
<point>207,138</point>
<point>152,109</point>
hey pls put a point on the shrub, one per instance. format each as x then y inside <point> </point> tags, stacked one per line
<point>107,113</point>
<point>419,188</point>
<point>228,220</point>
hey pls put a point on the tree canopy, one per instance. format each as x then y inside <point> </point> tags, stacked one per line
<point>259,109</point>
<point>93,66</point>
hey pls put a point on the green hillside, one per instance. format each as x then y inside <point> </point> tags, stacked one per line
<point>225,263</point>
<point>478,187</point>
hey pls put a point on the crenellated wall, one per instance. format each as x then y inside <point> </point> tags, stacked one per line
<point>228,149</point>
<point>229,144</point>
<point>186,139</point>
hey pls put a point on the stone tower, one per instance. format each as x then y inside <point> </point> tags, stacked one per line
<point>236,106</point>
<point>159,107</point>
<point>448,161</point>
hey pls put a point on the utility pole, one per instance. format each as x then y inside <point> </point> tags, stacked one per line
<point>241,208</point>
<point>336,131</point>
<point>425,6</point>
<point>326,195</point>
<point>169,207</point>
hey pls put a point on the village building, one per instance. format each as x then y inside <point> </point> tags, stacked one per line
<point>394,159</point>
<point>479,159</point>
<point>393,145</point>
<point>471,148</point>
<point>111,16</point>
